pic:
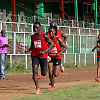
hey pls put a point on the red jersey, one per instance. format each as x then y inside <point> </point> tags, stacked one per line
<point>55,50</point>
<point>98,50</point>
<point>58,34</point>
<point>39,44</point>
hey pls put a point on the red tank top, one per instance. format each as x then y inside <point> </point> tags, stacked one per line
<point>98,50</point>
<point>56,49</point>
<point>39,44</point>
<point>58,34</point>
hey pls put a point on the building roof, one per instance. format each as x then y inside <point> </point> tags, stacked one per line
<point>66,1</point>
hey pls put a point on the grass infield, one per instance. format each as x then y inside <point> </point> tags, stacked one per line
<point>81,92</point>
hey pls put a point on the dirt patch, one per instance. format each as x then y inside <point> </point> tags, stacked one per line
<point>20,85</point>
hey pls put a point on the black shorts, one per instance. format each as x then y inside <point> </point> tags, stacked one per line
<point>42,61</point>
<point>55,61</point>
<point>98,59</point>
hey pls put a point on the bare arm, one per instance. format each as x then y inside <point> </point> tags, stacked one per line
<point>30,49</point>
<point>31,46</point>
<point>48,41</point>
<point>94,48</point>
<point>62,44</point>
<point>64,36</point>
<point>4,45</point>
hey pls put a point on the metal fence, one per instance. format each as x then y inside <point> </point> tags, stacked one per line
<point>21,18</point>
<point>80,42</point>
<point>67,59</point>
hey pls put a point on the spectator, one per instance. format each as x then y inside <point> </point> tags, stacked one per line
<point>3,54</point>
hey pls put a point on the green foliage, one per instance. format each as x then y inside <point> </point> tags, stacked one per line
<point>16,67</point>
<point>8,66</point>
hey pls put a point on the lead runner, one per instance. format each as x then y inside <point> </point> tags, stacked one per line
<point>39,53</point>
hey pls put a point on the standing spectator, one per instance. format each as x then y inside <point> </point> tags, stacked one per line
<point>39,53</point>
<point>3,54</point>
<point>55,54</point>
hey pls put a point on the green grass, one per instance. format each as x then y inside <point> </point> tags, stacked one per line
<point>82,66</point>
<point>82,92</point>
<point>21,68</point>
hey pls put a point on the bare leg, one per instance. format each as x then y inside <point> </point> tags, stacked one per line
<point>35,77</point>
<point>43,72</point>
<point>98,69</point>
<point>51,71</point>
<point>56,70</point>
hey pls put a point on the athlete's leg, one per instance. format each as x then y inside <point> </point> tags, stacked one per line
<point>57,64</point>
<point>37,72</point>
<point>35,77</point>
<point>98,69</point>
<point>56,70</point>
<point>44,66</point>
<point>51,71</point>
<point>49,59</point>
<point>35,65</point>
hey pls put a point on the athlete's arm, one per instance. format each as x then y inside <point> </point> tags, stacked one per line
<point>46,33</point>
<point>94,48</point>
<point>31,37</point>
<point>31,46</point>
<point>62,44</point>
<point>64,36</point>
<point>48,40</point>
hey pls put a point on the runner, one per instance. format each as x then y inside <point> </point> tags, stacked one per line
<point>59,34</point>
<point>39,53</point>
<point>30,49</point>
<point>39,77</point>
<point>98,58</point>
<point>56,54</point>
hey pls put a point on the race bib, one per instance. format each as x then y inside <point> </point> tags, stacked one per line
<point>53,51</point>
<point>37,44</point>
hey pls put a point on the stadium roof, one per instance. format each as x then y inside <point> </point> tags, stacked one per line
<point>66,1</point>
<point>28,1</point>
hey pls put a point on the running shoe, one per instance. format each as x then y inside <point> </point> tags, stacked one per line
<point>97,79</point>
<point>37,91</point>
<point>52,88</point>
<point>62,68</point>
<point>4,78</point>
<point>39,77</point>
